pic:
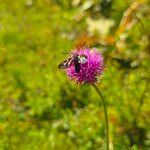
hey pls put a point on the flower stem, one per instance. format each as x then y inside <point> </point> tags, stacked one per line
<point>105,112</point>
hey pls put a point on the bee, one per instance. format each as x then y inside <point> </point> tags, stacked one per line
<point>75,60</point>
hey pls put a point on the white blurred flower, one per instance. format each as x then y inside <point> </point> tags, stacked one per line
<point>101,25</point>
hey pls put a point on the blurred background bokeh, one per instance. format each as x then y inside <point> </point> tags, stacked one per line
<point>40,108</point>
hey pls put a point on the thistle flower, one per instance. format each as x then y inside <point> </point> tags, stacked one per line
<point>84,66</point>
<point>90,70</point>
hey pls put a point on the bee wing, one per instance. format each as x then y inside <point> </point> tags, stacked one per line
<point>82,59</point>
<point>66,63</point>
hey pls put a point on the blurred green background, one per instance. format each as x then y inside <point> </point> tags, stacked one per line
<point>40,108</point>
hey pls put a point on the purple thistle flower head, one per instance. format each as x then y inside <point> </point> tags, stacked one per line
<point>90,70</point>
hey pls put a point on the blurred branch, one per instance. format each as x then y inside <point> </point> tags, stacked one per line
<point>128,16</point>
<point>139,20</point>
<point>127,22</point>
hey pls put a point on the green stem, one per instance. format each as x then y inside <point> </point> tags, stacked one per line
<point>105,112</point>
